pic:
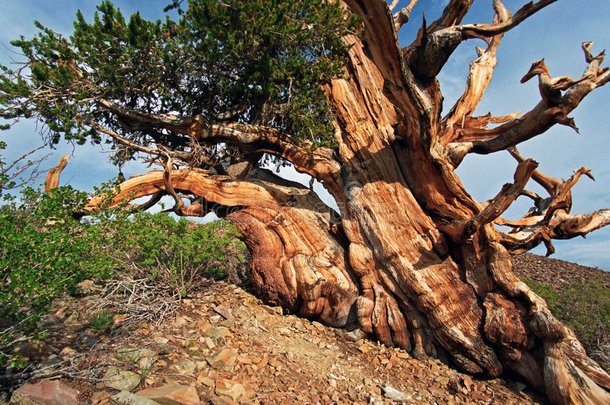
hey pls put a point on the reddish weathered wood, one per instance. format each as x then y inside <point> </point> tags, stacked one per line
<point>52,180</point>
<point>410,255</point>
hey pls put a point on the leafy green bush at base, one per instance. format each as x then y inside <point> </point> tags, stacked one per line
<point>583,307</point>
<point>178,253</point>
<point>45,252</point>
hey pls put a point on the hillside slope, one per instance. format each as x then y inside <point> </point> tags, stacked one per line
<point>232,348</point>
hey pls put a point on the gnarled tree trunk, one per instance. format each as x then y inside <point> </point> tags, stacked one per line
<point>410,254</point>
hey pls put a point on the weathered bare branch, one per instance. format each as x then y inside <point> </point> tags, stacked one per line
<point>52,180</point>
<point>463,230</point>
<point>402,17</point>
<point>393,5</point>
<point>452,15</point>
<point>489,30</point>
<point>479,78</point>
<point>548,112</point>
<point>434,45</point>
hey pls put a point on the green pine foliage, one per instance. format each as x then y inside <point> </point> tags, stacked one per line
<point>264,60</point>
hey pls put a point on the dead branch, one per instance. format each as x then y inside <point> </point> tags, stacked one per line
<point>479,78</point>
<point>52,180</point>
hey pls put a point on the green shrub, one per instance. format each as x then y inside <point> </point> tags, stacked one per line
<point>45,252</point>
<point>101,320</point>
<point>179,253</point>
<point>583,307</point>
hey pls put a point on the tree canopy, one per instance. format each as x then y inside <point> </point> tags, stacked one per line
<point>259,62</point>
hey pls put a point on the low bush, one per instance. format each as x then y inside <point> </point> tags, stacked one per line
<point>179,253</point>
<point>101,320</point>
<point>583,307</point>
<point>45,252</point>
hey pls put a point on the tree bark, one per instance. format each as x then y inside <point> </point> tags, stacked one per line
<point>410,256</point>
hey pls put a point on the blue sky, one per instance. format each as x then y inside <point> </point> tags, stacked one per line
<point>555,33</point>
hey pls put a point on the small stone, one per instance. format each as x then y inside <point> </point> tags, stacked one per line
<point>67,352</point>
<point>364,348</point>
<point>355,335</point>
<point>216,332</point>
<point>100,397</point>
<point>205,381</point>
<point>121,380</point>
<point>284,332</point>
<point>45,392</point>
<point>273,310</point>
<point>127,398</point>
<point>395,395</point>
<point>186,366</point>
<point>172,394</point>
<point>229,388</point>
<point>86,285</point>
<point>442,380</point>
<point>89,341</point>
<point>209,342</point>
<point>72,319</point>
<point>224,358</point>
<point>223,311</point>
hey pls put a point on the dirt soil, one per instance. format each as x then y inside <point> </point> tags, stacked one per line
<point>234,349</point>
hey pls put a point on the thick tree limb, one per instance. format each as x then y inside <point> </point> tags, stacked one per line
<point>463,230</point>
<point>550,218</point>
<point>402,17</point>
<point>489,30</point>
<point>316,162</point>
<point>452,15</point>
<point>298,253</point>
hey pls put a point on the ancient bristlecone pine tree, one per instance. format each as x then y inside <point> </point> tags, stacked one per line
<point>410,256</point>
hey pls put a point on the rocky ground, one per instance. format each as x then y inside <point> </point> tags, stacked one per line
<point>555,272</point>
<point>224,346</point>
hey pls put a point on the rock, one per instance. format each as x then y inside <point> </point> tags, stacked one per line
<point>89,341</point>
<point>172,394</point>
<point>121,380</point>
<point>186,366</point>
<point>215,332</point>
<point>127,398</point>
<point>144,358</point>
<point>67,352</point>
<point>273,310</point>
<point>284,332</point>
<point>395,395</point>
<point>100,397</point>
<point>223,311</point>
<point>355,335</point>
<point>229,388</point>
<point>364,348</point>
<point>224,358</point>
<point>45,392</point>
<point>72,319</point>
<point>161,340</point>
